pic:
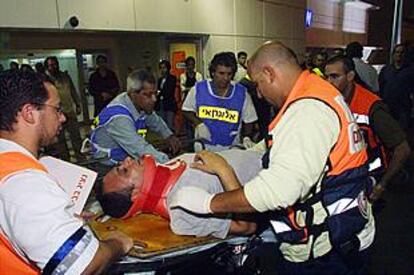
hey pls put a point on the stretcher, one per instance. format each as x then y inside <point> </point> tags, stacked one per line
<point>157,248</point>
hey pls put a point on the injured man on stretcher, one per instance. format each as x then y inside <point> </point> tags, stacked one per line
<point>142,186</point>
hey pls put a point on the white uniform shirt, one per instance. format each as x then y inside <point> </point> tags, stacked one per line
<point>302,141</point>
<point>37,217</point>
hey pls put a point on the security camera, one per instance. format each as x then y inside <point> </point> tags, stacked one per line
<point>74,21</point>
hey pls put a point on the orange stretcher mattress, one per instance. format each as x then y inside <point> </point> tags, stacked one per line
<point>151,234</point>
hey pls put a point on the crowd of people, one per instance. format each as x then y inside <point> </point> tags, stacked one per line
<point>323,138</point>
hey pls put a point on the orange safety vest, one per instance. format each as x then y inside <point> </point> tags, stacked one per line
<point>343,184</point>
<point>11,263</point>
<point>347,152</point>
<point>360,105</point>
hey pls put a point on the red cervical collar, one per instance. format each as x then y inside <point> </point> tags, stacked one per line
<point>158,181</point>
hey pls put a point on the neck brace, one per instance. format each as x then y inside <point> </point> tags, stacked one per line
<point>151,196</point>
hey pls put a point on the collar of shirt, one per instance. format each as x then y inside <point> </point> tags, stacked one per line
<point>214,90</point>
<point>11,146</point>
<point>126,101</point>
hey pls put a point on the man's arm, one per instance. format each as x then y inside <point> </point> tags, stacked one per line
<point>189,108</point>
<point>192,118</point>
<point>232,201</point>
<point>48,214</point>
<point>400,154</point>
<point>249,116</point>
<point>157,124</point>
<point>73,92</point>
<point>92,87</point>
<point>116,245</point>
<point>184,89</point>
<point>122,131</point>
<point>297,163</point>
<point>115,84</point>
<point>394,140</point>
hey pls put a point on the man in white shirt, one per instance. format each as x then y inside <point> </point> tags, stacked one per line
<point>241,66</point>
<point>38,228</point>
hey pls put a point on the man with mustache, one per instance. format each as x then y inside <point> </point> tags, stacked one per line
<point>120,128</point>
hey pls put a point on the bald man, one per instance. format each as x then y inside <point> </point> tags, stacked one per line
<point>314,176</point>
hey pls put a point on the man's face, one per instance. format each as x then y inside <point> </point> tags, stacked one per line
<point>319,60</point>
<point>336,75</point>
<point>308,58</point>
<point>190,66</point>
<point>52,66</point>
<point>263,87</point>
<point>222,76</point>
<point>242,59</point>
<point>124,177</point>
<point>51,118</point>
<point>398,53</point>
<point>163,70</point>
<point>101,63</point>
<point>146,98</point>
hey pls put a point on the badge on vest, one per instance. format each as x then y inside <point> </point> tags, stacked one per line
<point>217,113</point>
<point>142,132</point>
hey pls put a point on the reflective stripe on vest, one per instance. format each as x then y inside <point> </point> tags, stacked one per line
<point>106,116</point>
<point>10,261</point>
<point>335,206</point>
<point>360,105</point>
<point>221,115</point>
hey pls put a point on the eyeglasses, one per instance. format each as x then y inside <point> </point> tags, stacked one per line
<point>58,109</point>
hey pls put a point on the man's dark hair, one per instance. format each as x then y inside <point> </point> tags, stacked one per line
<point>40,68</point>
<point>166,63</point>
<point>113,204</point>
<point>18,88</point>
<point>227,59</point>
<point>239,54</point>
<point>14,64</point>
<point>347,63</point>
<point>101,56</point>
<point>399,45</point>
<point>354,49</point>
<point>188,59</point>
<point>54,58</point>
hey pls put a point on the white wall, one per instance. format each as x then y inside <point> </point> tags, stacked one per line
<point>28,14</point>
<point>232,25</point>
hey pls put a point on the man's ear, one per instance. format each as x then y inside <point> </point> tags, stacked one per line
<point>269,73</point>
<point>29,114</point>
<point>350,76</point>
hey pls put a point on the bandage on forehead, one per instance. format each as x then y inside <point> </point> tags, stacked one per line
<point>157,183</point>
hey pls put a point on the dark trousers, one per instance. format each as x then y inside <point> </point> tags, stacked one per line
<point>72,127</point>
<point>352,263</point>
